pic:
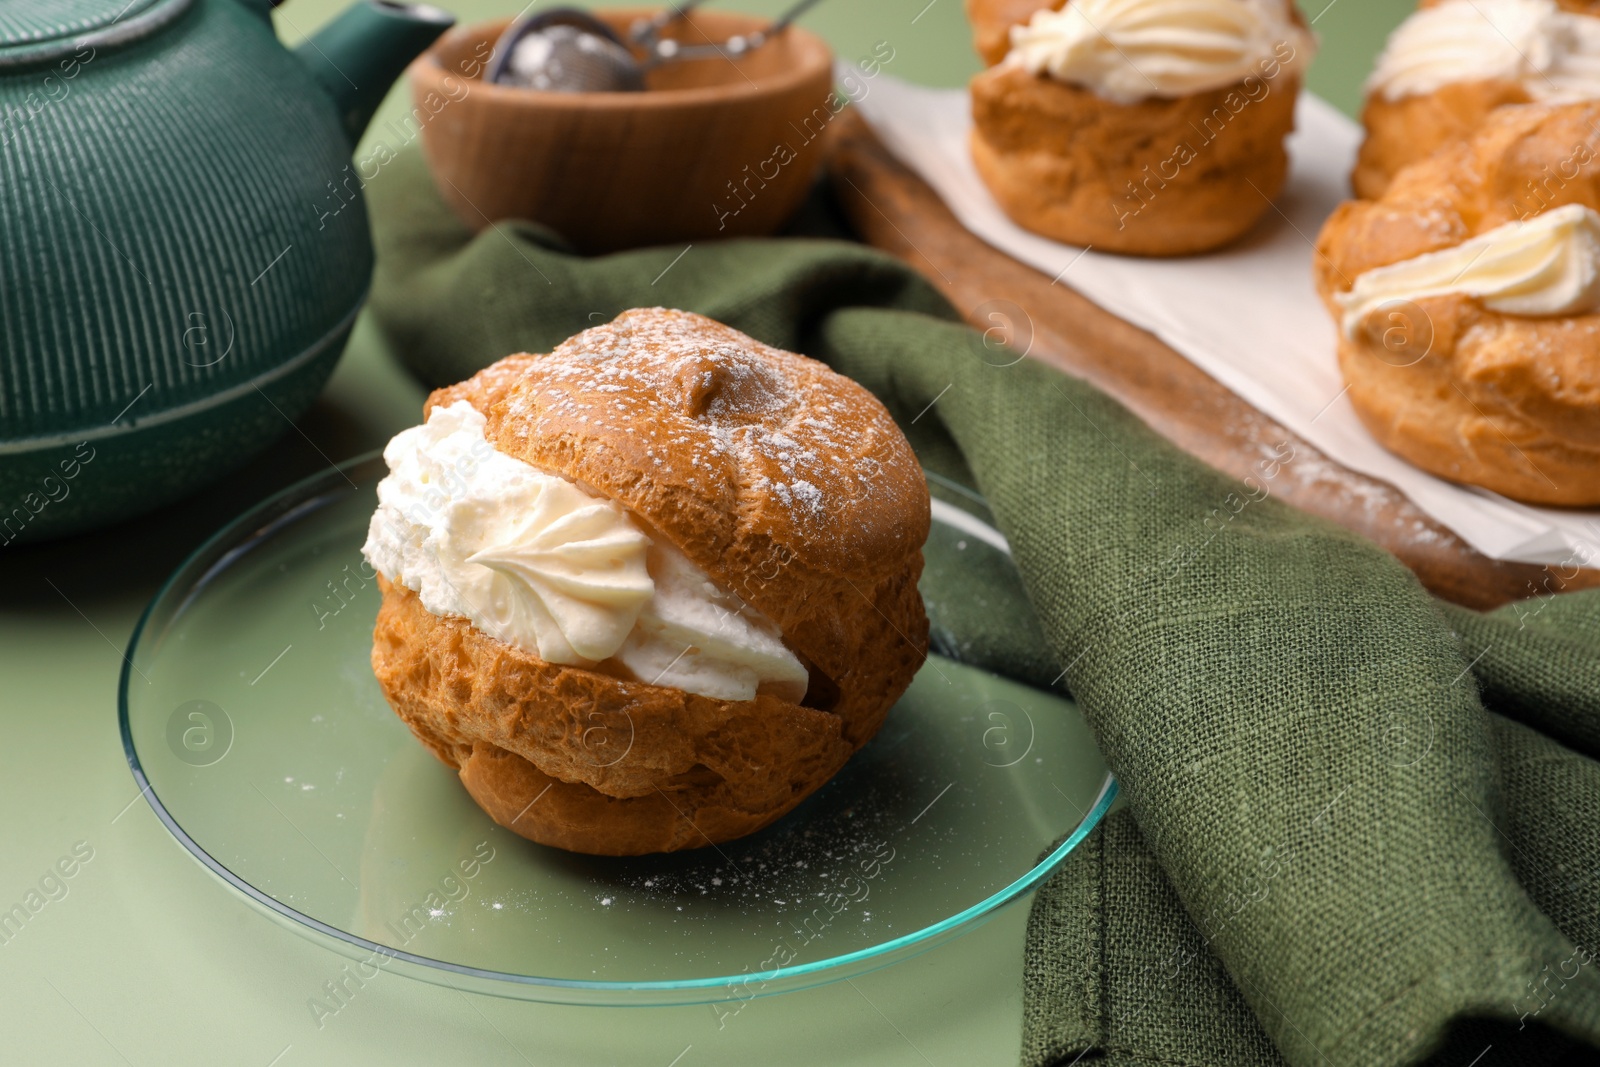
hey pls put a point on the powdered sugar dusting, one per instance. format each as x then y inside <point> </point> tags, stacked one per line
<point>788,426</point>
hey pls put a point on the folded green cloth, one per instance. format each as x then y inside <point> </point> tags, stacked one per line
<point>1361,825</point>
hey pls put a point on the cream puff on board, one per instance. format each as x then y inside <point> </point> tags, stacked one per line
<point>1469,310</point>
<point>1149,127</point>
<point>1453,62</point>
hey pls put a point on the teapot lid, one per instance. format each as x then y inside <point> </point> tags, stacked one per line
<point>39,33</point>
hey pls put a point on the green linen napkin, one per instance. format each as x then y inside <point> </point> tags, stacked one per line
<point>1333,852</point>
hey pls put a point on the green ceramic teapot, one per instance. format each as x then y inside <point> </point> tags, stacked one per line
<point>182,251</point>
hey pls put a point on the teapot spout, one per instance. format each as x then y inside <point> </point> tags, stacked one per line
<point>358,55</point>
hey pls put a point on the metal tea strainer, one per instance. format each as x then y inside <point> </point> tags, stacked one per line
<point>568,50</point>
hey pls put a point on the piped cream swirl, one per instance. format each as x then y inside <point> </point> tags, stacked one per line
<point>1129,50</point>
<point>538,562</point>
<point>1546,266</point>
<point>1553,54</point>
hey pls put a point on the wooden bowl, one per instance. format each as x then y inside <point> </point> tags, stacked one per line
<point>712,148</point>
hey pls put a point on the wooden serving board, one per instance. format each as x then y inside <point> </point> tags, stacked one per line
<point>895,210</point>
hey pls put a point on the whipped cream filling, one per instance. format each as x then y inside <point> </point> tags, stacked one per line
<point>1548,265</point>
<point>1553,54</point>
<point>1129,50</point>
<point>536,561</point>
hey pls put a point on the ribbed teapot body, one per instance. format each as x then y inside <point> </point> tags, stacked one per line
<point>184,251</point>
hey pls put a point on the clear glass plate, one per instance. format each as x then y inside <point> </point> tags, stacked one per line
<point>255,728</point>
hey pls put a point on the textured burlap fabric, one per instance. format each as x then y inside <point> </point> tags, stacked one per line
<point>1333,853</point>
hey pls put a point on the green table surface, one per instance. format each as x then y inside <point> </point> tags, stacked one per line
<point>149,960</point>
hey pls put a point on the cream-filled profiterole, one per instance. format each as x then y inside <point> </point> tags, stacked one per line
<point>1453,62</point>
<point>1151,127</point>
<point>662,579</point>
<point>1469,314</point>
